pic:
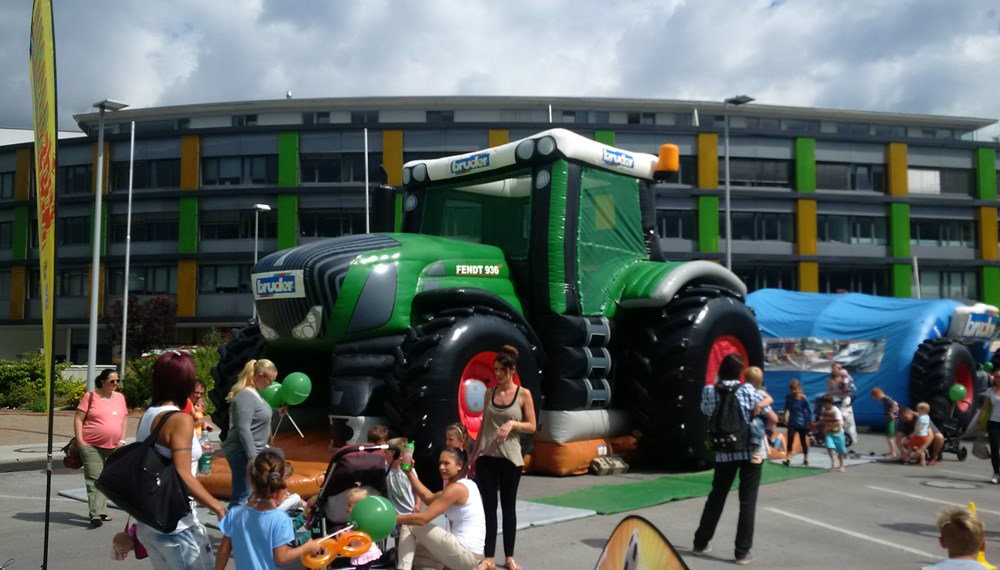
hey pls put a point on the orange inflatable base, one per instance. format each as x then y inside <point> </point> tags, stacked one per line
<point>574,457</point>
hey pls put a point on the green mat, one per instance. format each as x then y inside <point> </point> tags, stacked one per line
<point>611,499</point>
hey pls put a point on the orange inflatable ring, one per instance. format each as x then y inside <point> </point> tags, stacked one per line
<point>354,544</point>
<point>325,556</point>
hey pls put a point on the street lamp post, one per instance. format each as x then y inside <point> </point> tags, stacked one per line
<point>735,101</point>
<point>128,249</point>
<point>257,209</point>
<point>102,106</point>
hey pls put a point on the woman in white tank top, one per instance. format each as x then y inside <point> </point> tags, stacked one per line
<point>461,546</point>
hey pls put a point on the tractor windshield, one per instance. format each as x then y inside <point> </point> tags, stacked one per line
<point>493,211</point>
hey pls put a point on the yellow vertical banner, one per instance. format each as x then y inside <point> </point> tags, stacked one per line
<point>43,95</point>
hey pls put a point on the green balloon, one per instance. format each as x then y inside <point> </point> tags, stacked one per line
<point>374,516</point>
<point>272,395</point>
<point>296,388</point>
<point>957,393</point>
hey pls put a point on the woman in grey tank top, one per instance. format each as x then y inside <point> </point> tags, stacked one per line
<point>508,411</point>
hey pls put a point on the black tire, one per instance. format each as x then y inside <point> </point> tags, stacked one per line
<point>423,389</point>
<point>962,453</point>
<point>667,365</point>
<point>244,344</point>
<point>939,364</point>
<point>358,371</point>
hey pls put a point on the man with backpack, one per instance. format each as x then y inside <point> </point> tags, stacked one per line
<point>730,406</point>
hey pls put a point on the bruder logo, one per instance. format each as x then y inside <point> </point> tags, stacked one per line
<point>618,158</point>
<point>470,163</point>
<point>278,284</point>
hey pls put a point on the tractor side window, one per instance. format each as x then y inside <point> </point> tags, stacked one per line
<point>610,236</point>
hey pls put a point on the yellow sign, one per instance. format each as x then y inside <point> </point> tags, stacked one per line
<point>43,92</point>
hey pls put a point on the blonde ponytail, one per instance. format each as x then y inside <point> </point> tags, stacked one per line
<point>245,379</point>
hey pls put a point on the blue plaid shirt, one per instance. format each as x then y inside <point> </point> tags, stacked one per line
<point>747,396</point>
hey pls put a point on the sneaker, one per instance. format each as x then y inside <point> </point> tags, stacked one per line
<point>744,560</point>
<point>805,463</point>
<point>996,479</point>
<point>95,522</point>
<point>701,551</point>
<point>786,463</point>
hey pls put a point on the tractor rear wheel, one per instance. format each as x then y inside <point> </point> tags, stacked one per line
<point>440,362</point>
<point>939,364</point>
<point>677,352</point>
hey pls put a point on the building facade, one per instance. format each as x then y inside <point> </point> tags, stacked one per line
<point>822,200</point>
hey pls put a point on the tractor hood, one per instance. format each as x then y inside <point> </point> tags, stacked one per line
<point>357,286</point>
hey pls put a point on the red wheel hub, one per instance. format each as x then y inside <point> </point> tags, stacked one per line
<point>722,347</point>
<point>478,369</point>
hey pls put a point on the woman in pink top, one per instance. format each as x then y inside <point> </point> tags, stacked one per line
<point>99,426</point>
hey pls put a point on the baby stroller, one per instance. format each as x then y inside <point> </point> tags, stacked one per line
<point>817,435</point>
<point>352,466</point>
<point>952,431</point>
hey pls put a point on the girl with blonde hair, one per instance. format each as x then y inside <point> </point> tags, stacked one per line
<point>798,418</point>
<point>249,424</point>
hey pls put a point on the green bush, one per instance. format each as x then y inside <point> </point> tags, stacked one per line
<point>137,382</point>
<point>69,392</point>
<point>22,381</point>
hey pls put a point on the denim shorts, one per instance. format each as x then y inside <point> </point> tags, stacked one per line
<point>189,549</point>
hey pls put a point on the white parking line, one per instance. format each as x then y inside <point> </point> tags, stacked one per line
<point>930,500</point>
<point>33,498</point>
<point>853,534</point>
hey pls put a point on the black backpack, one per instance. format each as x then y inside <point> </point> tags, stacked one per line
<point>727,430</point>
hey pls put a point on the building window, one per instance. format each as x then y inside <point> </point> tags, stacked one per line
<point>600,117</point>
<point>854,129</point>
<point>757,172</point>
<point>766,277</point>
<point>224,279</point>
<point>6,185</point>
<point>943,284</point>
<point>887,131</point>
<point>935,232</point>
<point>332,168</point>
<point>364,117</point>
<point>635,118</point>
<point>244,120</point>
<point>331,223</point>
<point>152,280</point>
<point>73,231</point>
<point>841,176</point>
<point>76,179</point>
<point>440,116</point>
<point>151,226</point>
<point>759,226</point>
<point>958,182</point>
<point>4,285</point>
<point>165,173</point>
<point>680,224</point>
<point>6,235</point>
<point>574,116</point>
<point>236,224</point>
<point>239,170</point>
<point>34,284</point>
<point>854,230</point>
<point>72,282</point>
<point>801,126</point>
<point>316,118</point>
<point>874,281</point>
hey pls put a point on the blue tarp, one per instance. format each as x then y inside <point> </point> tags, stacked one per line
<point>873,337</point>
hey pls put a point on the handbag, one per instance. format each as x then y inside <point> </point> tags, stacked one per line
<point>71,451</point>
<point>979,447</point>
<point>145,484</point>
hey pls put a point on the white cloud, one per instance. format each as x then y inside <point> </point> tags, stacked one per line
<point>919,56</point>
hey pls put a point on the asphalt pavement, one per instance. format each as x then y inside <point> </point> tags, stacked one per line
<point>874,515</point>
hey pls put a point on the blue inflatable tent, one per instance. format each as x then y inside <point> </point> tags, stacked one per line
<point>874,338</point>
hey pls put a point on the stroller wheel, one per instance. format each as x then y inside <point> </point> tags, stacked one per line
<point>962,453</point>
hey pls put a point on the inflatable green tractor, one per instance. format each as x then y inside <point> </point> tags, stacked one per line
<point>546,244</point>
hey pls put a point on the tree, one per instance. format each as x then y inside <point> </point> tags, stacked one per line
<point>150,323</point>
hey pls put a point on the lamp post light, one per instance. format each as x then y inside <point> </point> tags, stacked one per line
<point>735,101</point>
<point>257,209</point>
<point>102,106</point>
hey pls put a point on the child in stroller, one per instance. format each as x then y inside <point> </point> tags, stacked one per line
<point>353,466</point>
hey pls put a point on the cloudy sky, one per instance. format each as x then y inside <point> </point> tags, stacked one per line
<point>917,56</point>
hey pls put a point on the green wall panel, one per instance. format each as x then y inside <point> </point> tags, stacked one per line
<point>899,230</point>
<point>902,280</point>
<point>19,239</point>
<point>990,290</point>
<point>187,238</point>
<point>605,137</point>
<point>805,165</point>
<point>288,160</point>
<point>708,224</point>
<point>288,221</point>
<point>986,173</point>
